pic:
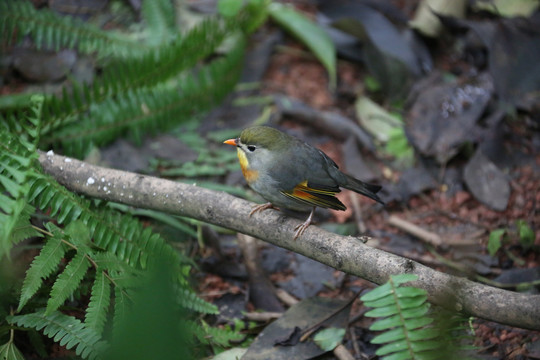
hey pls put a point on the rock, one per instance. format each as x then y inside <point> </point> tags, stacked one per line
<point>487,182</point>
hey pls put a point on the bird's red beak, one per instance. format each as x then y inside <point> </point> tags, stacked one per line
<point>232,142</point>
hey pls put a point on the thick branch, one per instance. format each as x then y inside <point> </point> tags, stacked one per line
<point>347,254</point>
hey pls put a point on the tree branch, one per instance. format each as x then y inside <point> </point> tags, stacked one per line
<point>347,254</point>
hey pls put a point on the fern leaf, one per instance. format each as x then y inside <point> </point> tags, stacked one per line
<point>52,31</point>
<point>121,310</point>
<point>23,229</point>
<point>120,234</point>
<point>43,265</point>
<point>210,335</point>
<point>68,281</point>
<point>159,18</point>
<point>404,312</point>
<point>16,167</point>
<point>96,312</point>
<point>191,301</point>
<point>67,330</point>
<point>149,110</point>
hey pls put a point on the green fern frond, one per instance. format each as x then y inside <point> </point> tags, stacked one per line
<point>121,234</point>
<point>17,155</point>
<point>212,335</point>
<point>52,31</point>
<point>43,265</point>
<point>159,16</point>
<point>149,110</point>
<point>161,64</point>
<point>122,307</point>
<point>67,330</point>
<point>23,229</point>
<point>96,313</point>
<point>404,310</point>
<point>67,282</point>
<point>191,301</point>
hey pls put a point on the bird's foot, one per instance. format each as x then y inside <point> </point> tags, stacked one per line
<point>299,230</point>
<point>261,208</point>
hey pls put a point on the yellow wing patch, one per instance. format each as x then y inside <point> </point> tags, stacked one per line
<point>315,197</point>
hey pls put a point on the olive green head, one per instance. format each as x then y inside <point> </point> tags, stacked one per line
<point>264,137</point>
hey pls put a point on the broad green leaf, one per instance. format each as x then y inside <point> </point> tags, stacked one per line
<point>514,8</point>
<point>328,339</point>
<point>313,36</point>
<point>495,241</point>
<point>375,119</point>
<point>9,351</point>
<point>526,234</point>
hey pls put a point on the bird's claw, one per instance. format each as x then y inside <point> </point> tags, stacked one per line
<point>299,230</point>
<point>261,208</point>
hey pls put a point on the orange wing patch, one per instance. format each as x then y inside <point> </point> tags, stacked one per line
<point>315,197</point>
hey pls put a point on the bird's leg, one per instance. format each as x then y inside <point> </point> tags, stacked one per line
<point>302,227</point>
<point>261,207</point>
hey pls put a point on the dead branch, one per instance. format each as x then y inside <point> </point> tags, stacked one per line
<point>347,254</point>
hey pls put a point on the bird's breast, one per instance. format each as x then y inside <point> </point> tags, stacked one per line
<point>249,174</point>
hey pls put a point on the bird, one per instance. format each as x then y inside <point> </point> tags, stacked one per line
<point>289,173</point>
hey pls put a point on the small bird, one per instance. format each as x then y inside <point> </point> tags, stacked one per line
<point>292,174</point>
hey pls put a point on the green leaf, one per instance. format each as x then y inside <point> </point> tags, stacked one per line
<point>43,265</point>
<point>67,281</point>
<point>66,330</point>
<point>388,288</point>
<point>313,36</point>
<point>392,347</point>
<point>389,336</point>
<point>328,339</point>
<point>375,119</point>
<point>9,351</point>
<point>78,232</point>
<point>99,303</point>
<point>526,234</point>
<point>229,8</point>
<point>495,241</point>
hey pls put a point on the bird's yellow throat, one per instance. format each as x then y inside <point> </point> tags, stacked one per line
<point>249,174</point>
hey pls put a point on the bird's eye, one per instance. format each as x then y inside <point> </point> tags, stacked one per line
<point>251,148</point>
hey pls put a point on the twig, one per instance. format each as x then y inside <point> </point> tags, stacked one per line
<point>286,298</point>
<point>342,353</point>
<point>344,253</point>
<point>422,234</point>
<point>358,213</point>
<point>262,316</point>
<point>307,332</point>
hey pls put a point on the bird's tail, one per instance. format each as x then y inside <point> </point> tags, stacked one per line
<point>363,188</point>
